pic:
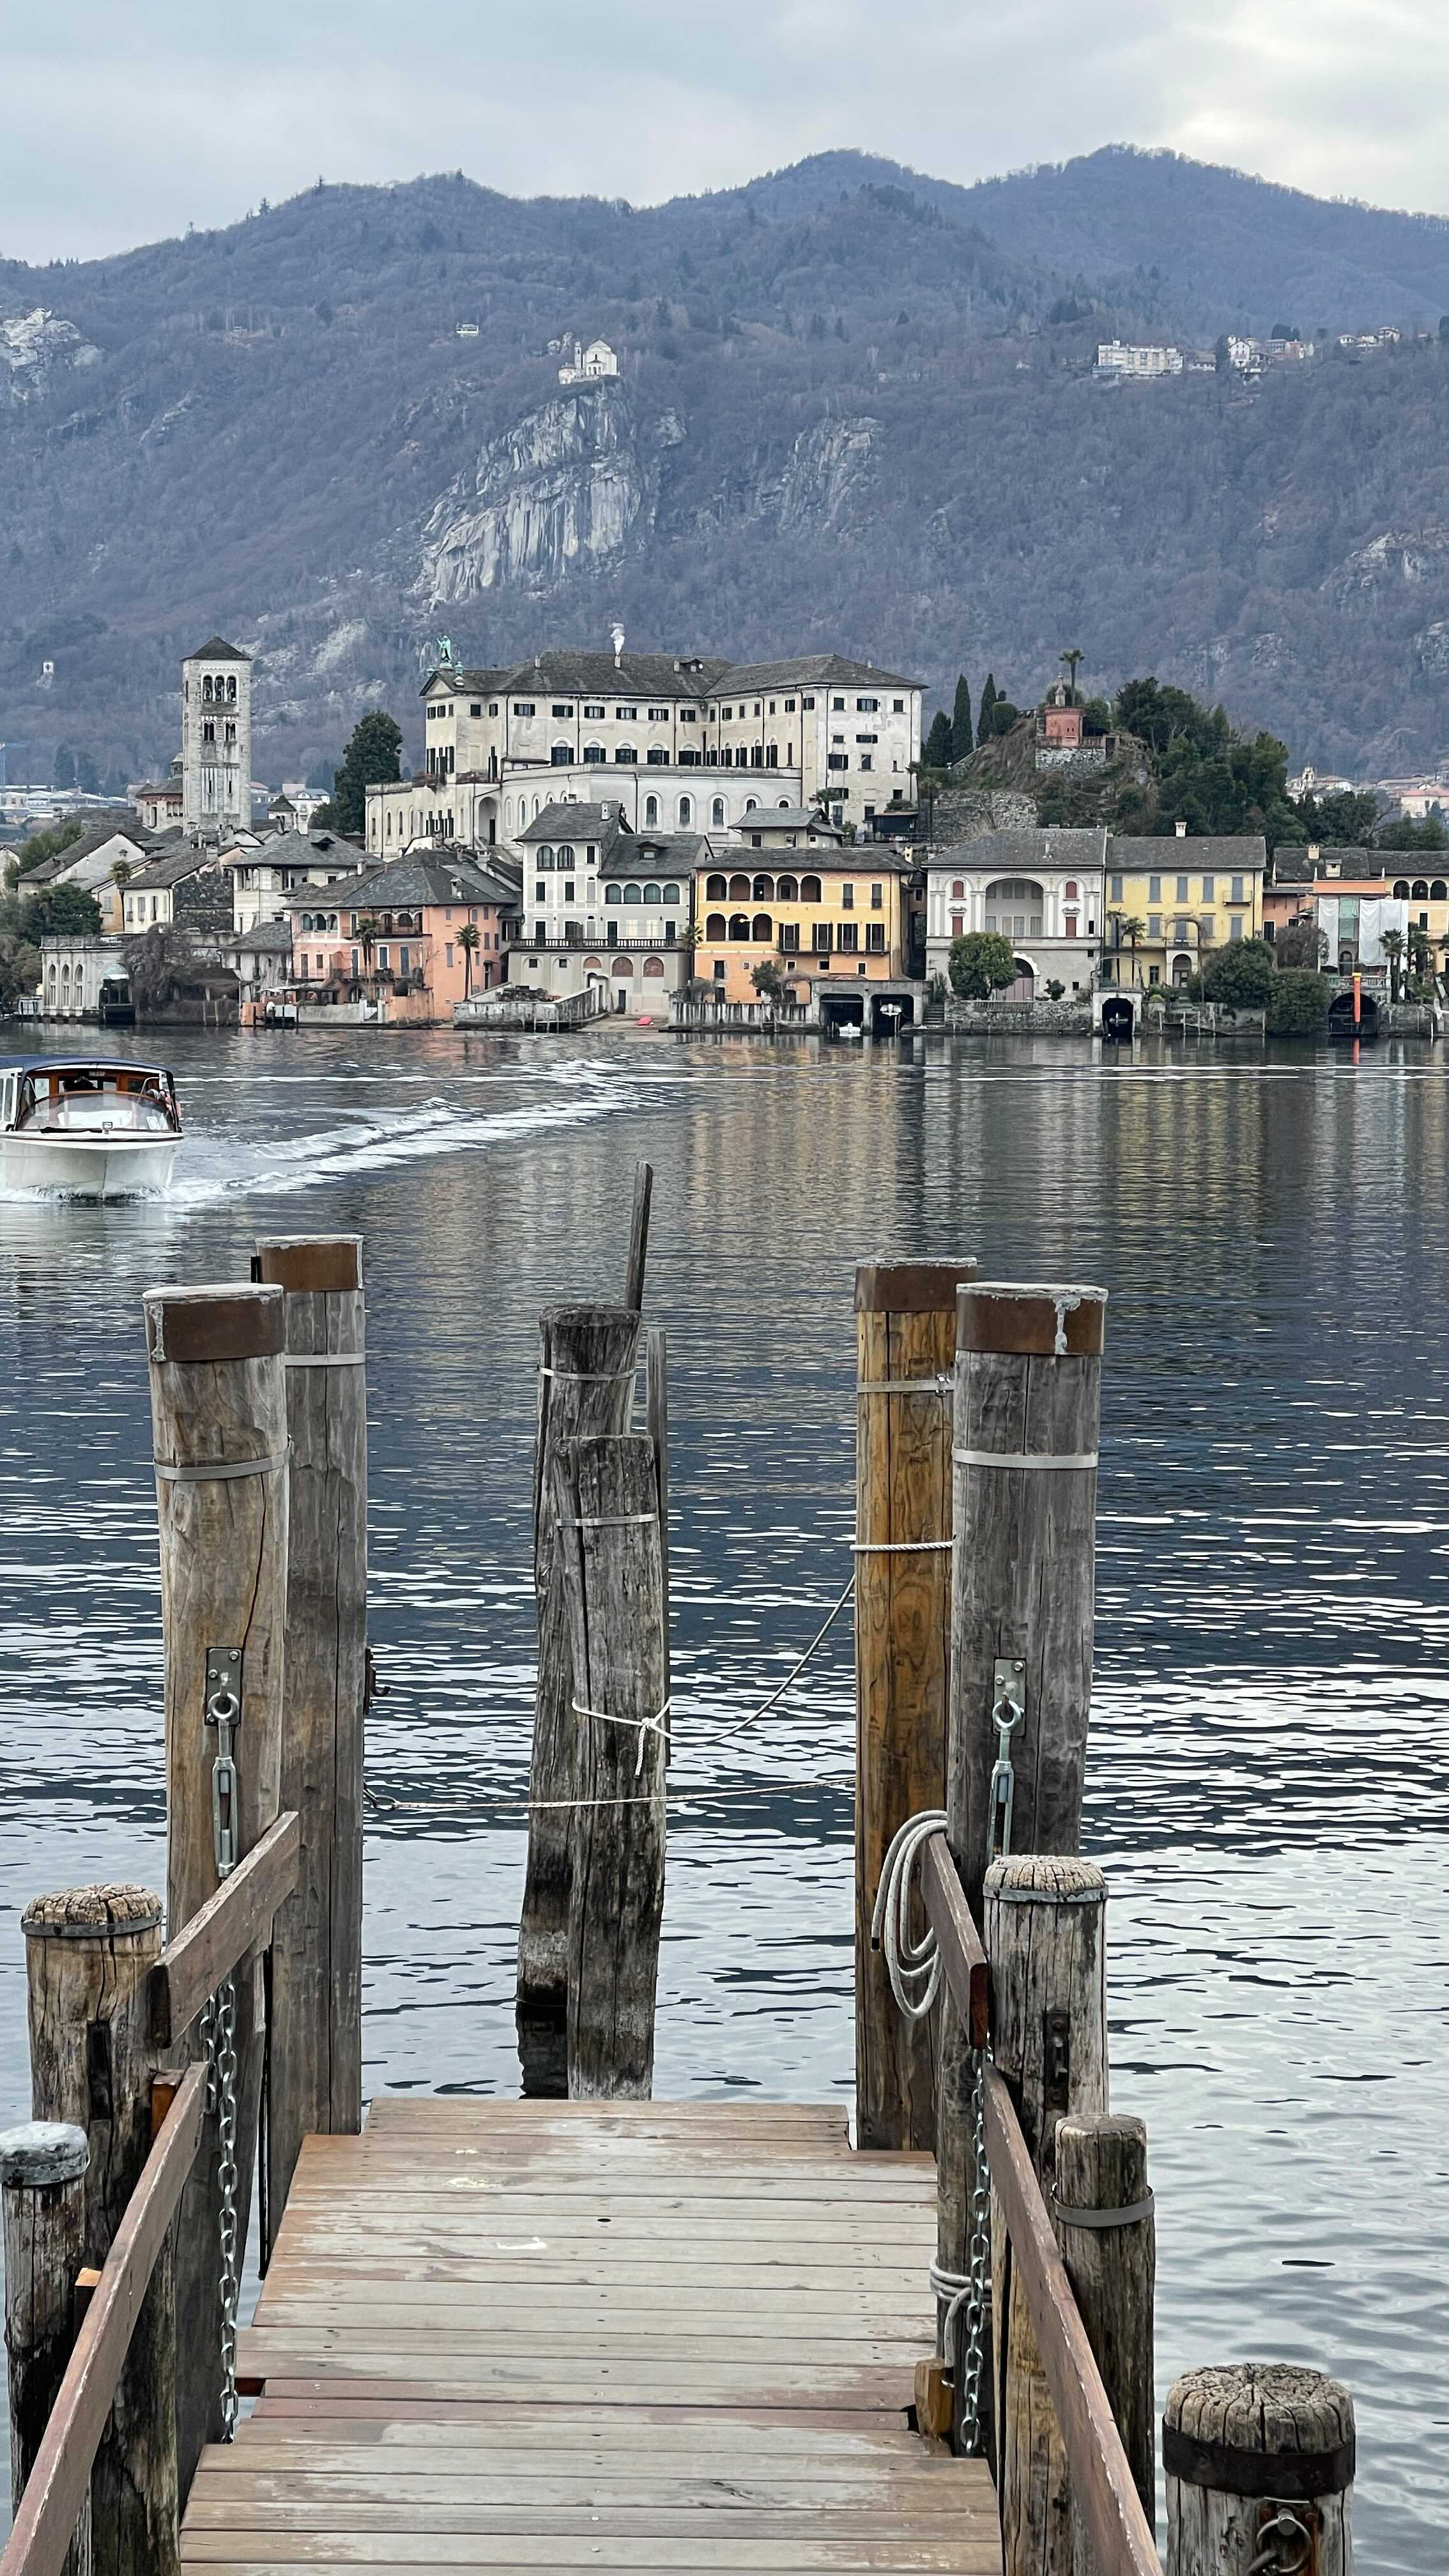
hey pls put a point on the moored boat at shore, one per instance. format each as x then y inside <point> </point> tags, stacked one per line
<point>87,1128</point>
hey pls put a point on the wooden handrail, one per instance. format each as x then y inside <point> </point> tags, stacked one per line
<point>959,1942</point>
<point>1104,2493</point>
<point>60,2479</point>
<point>206,1949</point>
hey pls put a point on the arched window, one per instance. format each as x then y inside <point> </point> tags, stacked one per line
<point>623,969</point>
<point>1439,891</point>
<point>565,854</point>
<point>206,692</point>
<point>958,889</point>
<point>593,754</point>
<point>1401,890</point>
<point>626,755</point>
<point>715,889</point>
<point>716,811</point>
<point>1181,969</point>
<point>784,804</point>
<point>786,890</point>
<point>762,927</point>
<point>545,854</point>
<point>763,890</point>
<point>714,928</point>
<point>739,925</point>
<point>686,809</point>
<point>231,693</point>
<point>536,812</point>
<point>652,894</point>
<point>810,889</point>
<point>651,809</point>
<point>507,815</point>
<point>632,894</point>
<point>653,965</point>
<point>561,754</point>
<point>1070,890</point>
<point>671,894</point>
<point>751,803</point>
<point>1421,889</point>
<point>739,889</point>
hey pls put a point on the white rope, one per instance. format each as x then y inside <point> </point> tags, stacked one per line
<point>898,1546</point>
<point>642,1725</point>
<point>1015,1458</point>
<point>914,1967</point>
<point>590,1377</point>
<point>955,2288</point>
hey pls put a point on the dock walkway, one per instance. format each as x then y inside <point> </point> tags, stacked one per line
<point>594,2335</point>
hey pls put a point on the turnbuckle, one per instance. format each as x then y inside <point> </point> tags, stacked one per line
<point>1007,1711</point>
<point>223,1710</point>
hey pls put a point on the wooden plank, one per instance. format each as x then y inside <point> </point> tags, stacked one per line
<point>1103,2492</point>
<point>59,2480</point>
<point>963,1961</point>
<point>228,1925</point>
<point>963,2553</point>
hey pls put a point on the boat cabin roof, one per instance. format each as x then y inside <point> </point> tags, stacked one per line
<point>77,1064</point>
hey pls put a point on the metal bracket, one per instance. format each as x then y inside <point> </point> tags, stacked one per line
<point>1008,1708</point>
<point>1288,2536</point>
<point>1057,2060</point>
<point>223,1679</point>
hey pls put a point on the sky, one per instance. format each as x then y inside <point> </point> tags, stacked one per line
<point>123,123</point>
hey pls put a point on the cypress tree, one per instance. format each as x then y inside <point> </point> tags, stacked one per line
<point>961,734</point>
<point>988,701</point>
<point>938,741</point>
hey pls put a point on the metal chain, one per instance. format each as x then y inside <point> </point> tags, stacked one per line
<point>218,2032</point>
<point>977,2302</point>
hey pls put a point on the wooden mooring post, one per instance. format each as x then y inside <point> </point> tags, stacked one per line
<point>607,1516</point>
<point>587,1358</point>
<point>905,1343</point>
<point>314,2060</point>
<point>1106,2228</point>
<point>1259,2460</point>
<point>1024,1453</point>
<point>43,2189</point>
<point>219,1420</point>
<point>1044,1934</point>
<point>89,1956</point>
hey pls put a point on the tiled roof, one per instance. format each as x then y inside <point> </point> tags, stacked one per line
<point>807,670</point>
<point>598,675</point>
<point>409,883</point>
<point>463,683</point>
<point>218,650</point>
<point>570,820</point>
<point>1048,846</point>
<point>1138,853</point>
<point>158,874</point>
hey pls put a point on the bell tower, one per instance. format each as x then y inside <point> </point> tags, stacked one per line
<point>216,740</point>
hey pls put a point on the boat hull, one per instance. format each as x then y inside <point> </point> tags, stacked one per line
<point>88,1167</point>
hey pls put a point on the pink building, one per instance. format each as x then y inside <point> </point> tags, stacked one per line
<point>400,931</point>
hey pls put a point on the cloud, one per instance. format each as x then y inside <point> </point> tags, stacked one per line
<point>125,125</point>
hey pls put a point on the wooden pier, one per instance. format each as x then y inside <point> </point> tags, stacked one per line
<point>603,2334</point>
<point>585,2329</point>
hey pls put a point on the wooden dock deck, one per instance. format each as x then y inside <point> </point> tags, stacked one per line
<point>594,2335</point>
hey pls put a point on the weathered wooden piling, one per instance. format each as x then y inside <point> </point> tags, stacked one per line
<point>314,2073</point>
<point>89,1953</point>
<point>905,1342</point>
<point>587,1357</point>
<point>1044,1932</point>
<point>639,1236</point>
<point>1024,1453</point>
<point>43,2190</point>
<point>1259,2461</point>
<point>1107,2233</point>
<point>607,1518</point>
<point>219,1420</point>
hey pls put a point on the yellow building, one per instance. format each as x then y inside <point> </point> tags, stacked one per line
<point>1169,904</point>
<point>822,915</point>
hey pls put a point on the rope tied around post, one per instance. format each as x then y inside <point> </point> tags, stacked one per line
<point>642,1725</point>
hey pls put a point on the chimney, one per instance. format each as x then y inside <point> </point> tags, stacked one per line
<point>616,638</point>
<point>1313,850</point>
<point>1181,831</point>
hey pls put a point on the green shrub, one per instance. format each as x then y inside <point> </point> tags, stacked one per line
<point>1298,1004</point>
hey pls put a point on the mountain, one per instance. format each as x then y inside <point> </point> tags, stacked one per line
<point>854,409</point>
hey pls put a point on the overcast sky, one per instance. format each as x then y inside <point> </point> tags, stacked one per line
<point>125,120</point>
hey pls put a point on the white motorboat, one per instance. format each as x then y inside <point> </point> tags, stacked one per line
<point>89,1129</point>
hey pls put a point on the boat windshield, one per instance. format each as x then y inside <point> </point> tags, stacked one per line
<point>89,1100</point>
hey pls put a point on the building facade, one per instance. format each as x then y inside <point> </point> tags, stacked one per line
<point>822,917</point>
<point>189,887</point>
<point>397,931</point>
<point>604,905</point>
<point>1170,903</point>
<point>84,978</point>
<point>773,733</point>
<point>1041,889</point>
<point>216,740</point>
<point>266,873</point>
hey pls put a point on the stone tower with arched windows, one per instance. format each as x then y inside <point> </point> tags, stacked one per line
<point>216,740</point>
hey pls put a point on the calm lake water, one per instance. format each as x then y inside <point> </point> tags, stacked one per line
<point>1269,1773</point>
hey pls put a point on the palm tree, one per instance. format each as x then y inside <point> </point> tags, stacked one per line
<point>120,872</point>
<point>468,942</point>
<point>1394,950</point>
<point>1071,659</point>
<point>367,933</point>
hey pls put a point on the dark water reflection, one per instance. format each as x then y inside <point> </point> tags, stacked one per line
<point>1269,1783</point>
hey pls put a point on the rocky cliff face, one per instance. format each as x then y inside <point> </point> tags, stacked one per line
<point>563,490</point>
<point>36,348</point>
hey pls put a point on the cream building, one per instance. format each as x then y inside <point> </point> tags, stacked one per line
<point>267,873</point>
<point>1041,889</point>
<point>604,905</point>
<point>216,740</point>
<point>770,733</point>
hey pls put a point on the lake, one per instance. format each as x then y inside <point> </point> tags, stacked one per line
<point>1268,1779</point>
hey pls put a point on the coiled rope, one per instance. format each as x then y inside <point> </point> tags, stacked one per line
<point>914,1967</point>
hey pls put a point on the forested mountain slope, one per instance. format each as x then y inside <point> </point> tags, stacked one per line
<point>849,413</point>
